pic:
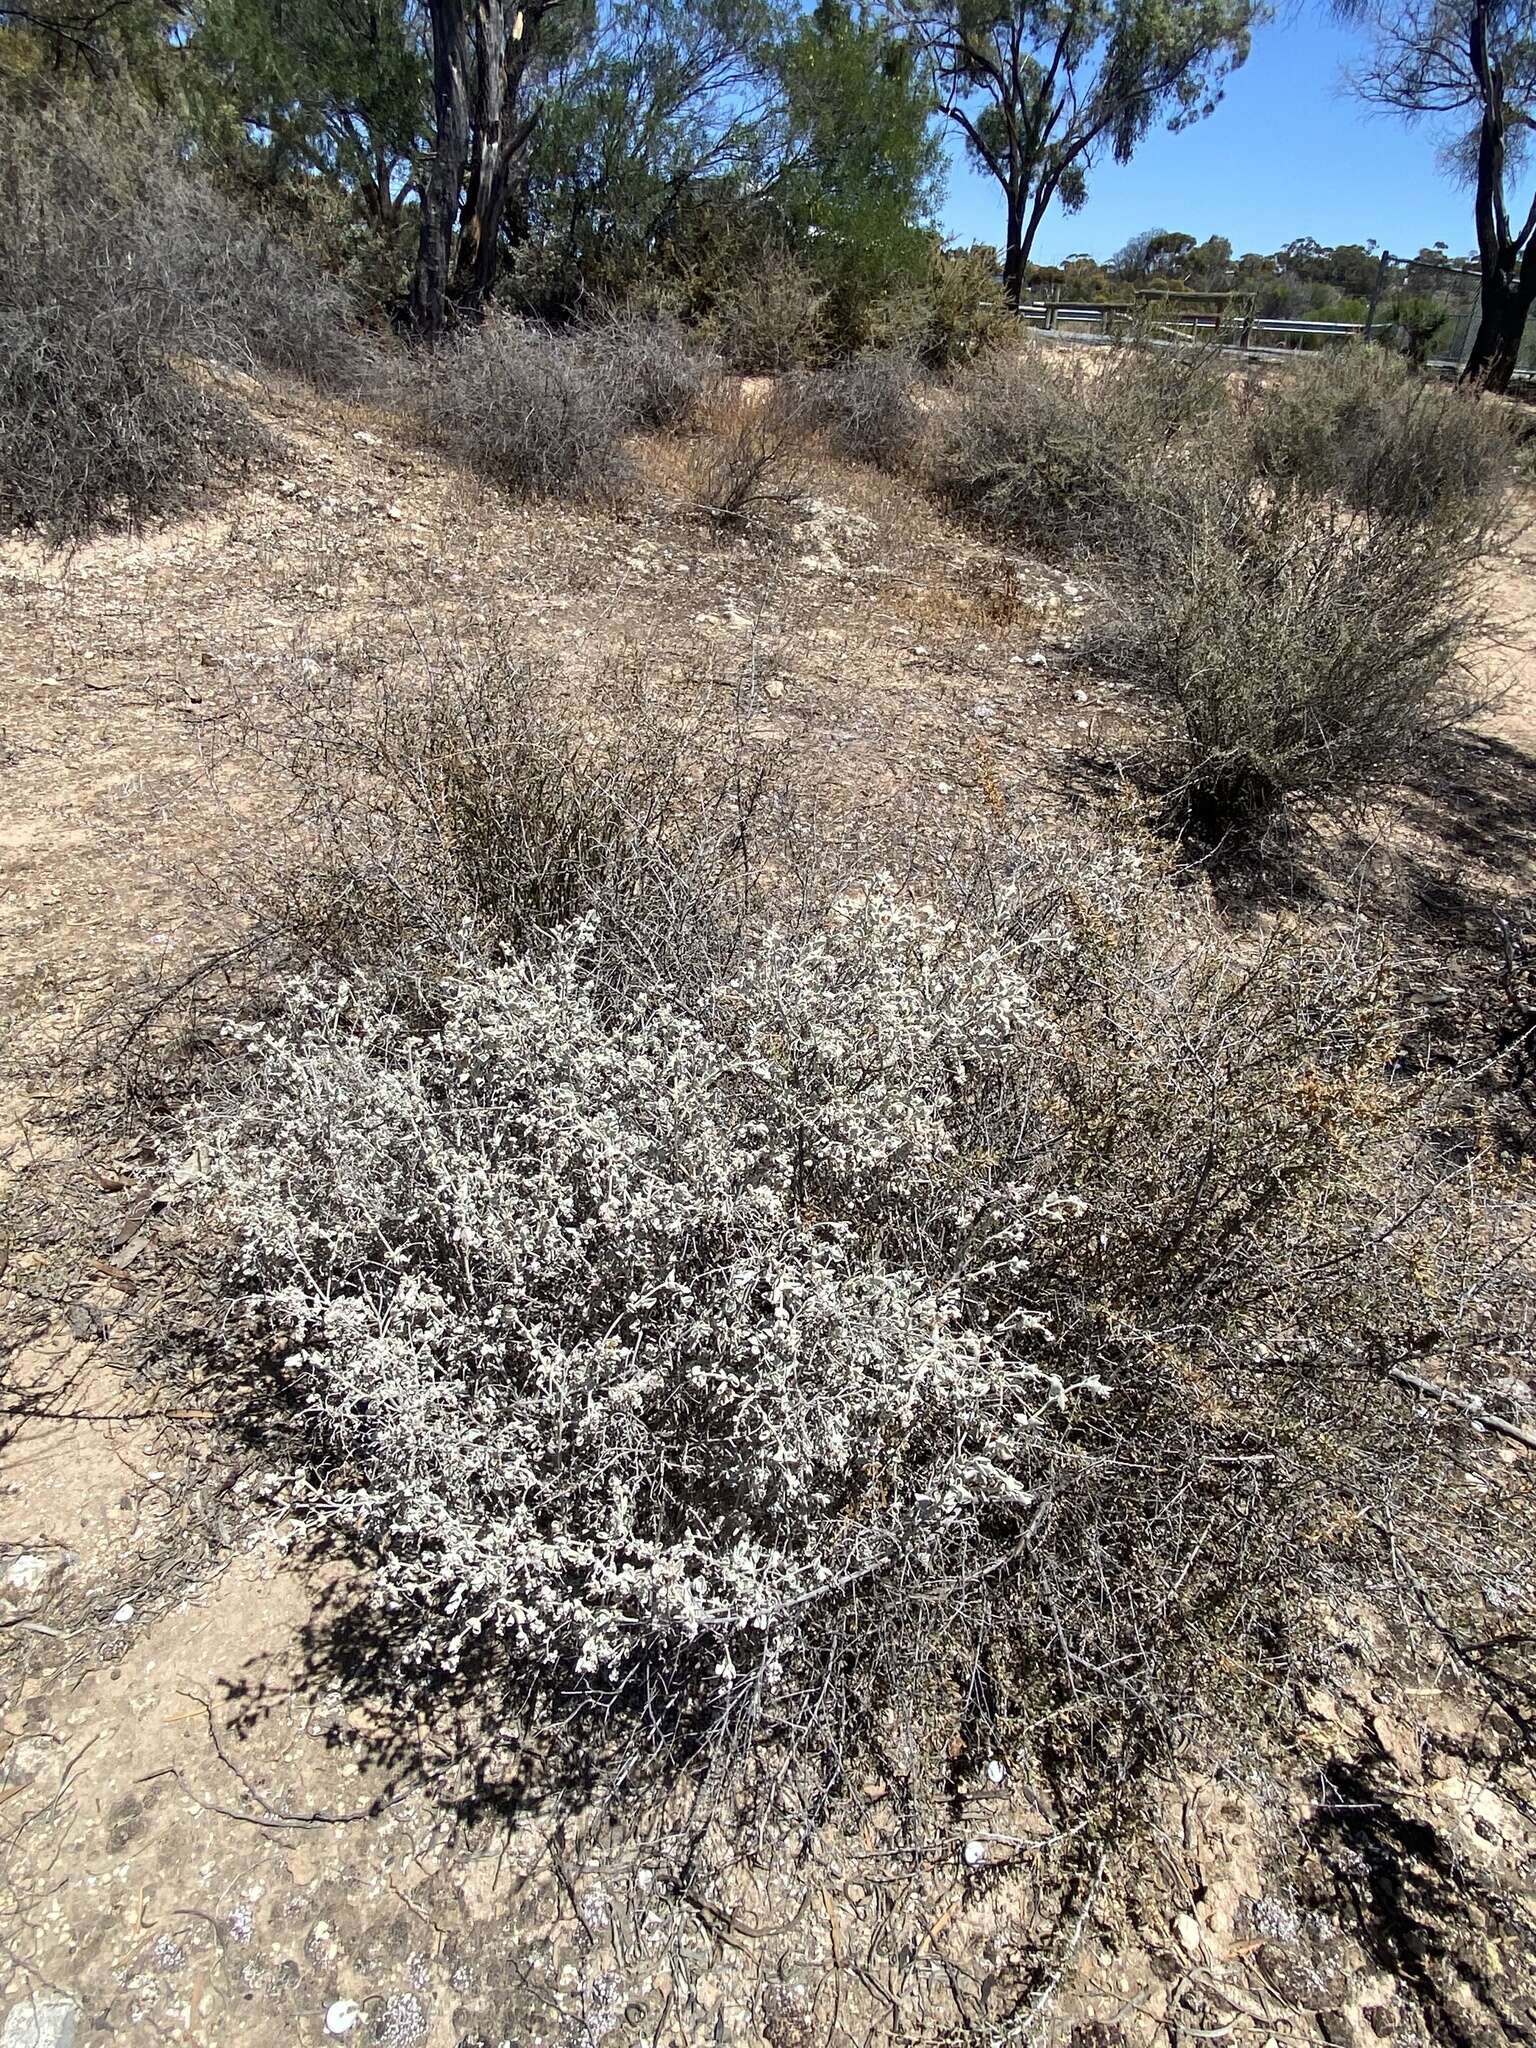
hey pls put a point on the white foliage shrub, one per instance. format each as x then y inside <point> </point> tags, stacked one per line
<point>620,1320</point>
<point>700,1283</point>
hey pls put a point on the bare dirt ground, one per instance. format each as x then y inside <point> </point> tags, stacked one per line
<point>215,1825</point>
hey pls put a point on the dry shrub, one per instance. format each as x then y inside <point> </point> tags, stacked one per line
<point>122,278</point>
<point>533,412</point>
<point>869,410</point>
<point>456,800</point>
<point>753,451</point>
<point>661,377</point>
<point>769,319</point>
<point>1303,653</point>
<point>831,1309</point>
<point>1367,429</point>
<point>1054,450</point>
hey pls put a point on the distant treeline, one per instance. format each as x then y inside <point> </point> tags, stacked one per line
<point>1303,281</point>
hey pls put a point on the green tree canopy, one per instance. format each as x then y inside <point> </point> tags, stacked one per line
<point>862,162</point>
<point>1042,90</point>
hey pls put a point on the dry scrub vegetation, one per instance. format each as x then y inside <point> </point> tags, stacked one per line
<point>755,1302</point>
<point>722,1283</point>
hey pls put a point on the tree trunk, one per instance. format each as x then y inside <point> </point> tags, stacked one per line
<point>1508,276</point>
<point>445,179</point>
<point>1031,229</point>
<point>1013,253</point>
<point>1500,331</point>
<point>480,221</point>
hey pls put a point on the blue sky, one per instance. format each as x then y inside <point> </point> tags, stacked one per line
<point>1288,152</point>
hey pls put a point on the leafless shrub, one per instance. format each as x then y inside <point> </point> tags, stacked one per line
<point>1303,653</point>
<point>1054,450</point>
<point>959,1310</point>
<point>769,319</point>
<point>661,377</point>
<point>752,451</point>
<point>531,411</point>
<point>869,409</point>
<point>1366,428</point>
<point>122,280</point>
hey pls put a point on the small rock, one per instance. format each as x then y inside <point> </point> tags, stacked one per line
<point>997,1770</point>
<point>287,488</point>
<point>775,689</point>
<point>1191,1934</point>
<point>364,439</point>
<point>1037,660</point>
<point>30,1571</point>
<point>43,2021</point>
<point>124,1613</point>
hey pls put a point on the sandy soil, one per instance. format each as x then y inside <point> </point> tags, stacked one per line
<point>213,1826</point>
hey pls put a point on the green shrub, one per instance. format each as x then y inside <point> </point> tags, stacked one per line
<point>769,319</point>
<point>956,317</point>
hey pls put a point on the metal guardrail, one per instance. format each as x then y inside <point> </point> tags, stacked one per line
<point>1246,330</point>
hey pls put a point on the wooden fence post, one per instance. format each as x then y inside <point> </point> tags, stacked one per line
<point>1376,291</point>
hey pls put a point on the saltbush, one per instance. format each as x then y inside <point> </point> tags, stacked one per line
<point>1055,449</point>
<point>1303,654</point>
<point>787,1302</point>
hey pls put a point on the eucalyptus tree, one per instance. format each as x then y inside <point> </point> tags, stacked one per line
<point>653,102</point>
<point>1468,67</point>
<point>1042,90</point>
<point>486,101</point>
<point>336,86</point>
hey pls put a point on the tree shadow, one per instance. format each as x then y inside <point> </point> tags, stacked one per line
<point>1420,1911</point>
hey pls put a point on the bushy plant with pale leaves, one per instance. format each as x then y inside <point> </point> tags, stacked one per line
<point>902,1280</point>
<point>623,1320</point>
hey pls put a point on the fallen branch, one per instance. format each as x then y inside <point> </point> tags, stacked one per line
<point>1465,1404</point>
